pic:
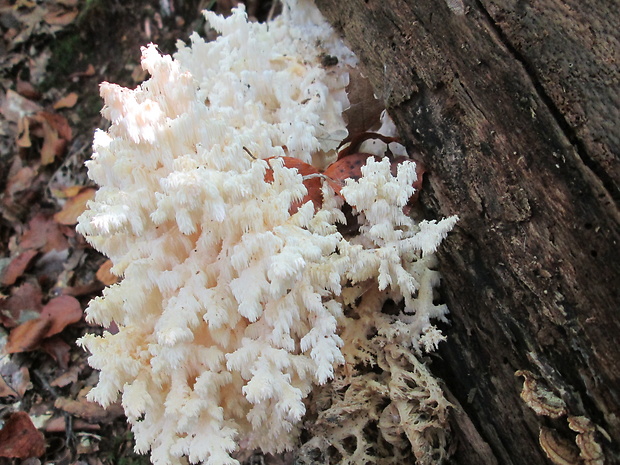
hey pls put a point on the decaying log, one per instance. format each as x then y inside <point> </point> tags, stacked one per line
<point>517,107</point>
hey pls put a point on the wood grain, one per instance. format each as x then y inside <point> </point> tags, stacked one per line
<point>517,109</point>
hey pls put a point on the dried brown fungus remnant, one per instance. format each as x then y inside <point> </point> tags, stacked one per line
<point>590,449</point>
<point>560,450</point>
<point>539,398</point>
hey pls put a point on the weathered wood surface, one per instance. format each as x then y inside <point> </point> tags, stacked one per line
<point>517,107</point>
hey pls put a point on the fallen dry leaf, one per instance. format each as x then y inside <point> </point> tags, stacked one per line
<point>27,336</point>
<point>83,289</point>
<point>62,311</point>
<point>23,131</point>
<point>90,411</point>
<point>43,233</point>
<point>68,101</point>
<point>60,18</point>
<point>17,267</point>
<point>53,145</point>
<point>58,122</point>
<point>105,275</point>
<point>74,207</point>
<point>59,425</point>
<point>20,439</point>
<point>25,299</point>
<point>26,89</point>
<point>58,349</point>
<point>68,377</point>
<point>6,390</point>
<point>56,315</point>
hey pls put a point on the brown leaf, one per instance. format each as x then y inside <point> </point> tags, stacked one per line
<point>74,207</point>
<point>25,299</point>
<point>105,275</point>
<point>23,129</point>
<point>6,390</point>
<point>61,311</point>
<point>58,122</point>
<point>90,411</point>
<point>83,289</point>
<point>68,377</point>
<point>52,144</point>
<point>20,439</point>
<point>60,18</point>
<point>68,101</point>
<point>26,89</point>
<point>17,267</point>
<point>59,425</point>
<point>43,233</point>
<point>58,349</point>
<point>27,336</point>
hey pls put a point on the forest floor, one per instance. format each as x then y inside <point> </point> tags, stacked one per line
<point>53,55</point>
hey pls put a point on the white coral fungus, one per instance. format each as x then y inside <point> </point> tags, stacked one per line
<point>230,308</point>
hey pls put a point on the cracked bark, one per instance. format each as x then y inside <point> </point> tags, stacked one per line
<point>517,108</point>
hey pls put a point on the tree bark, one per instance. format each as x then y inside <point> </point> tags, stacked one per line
<point>516,106</point>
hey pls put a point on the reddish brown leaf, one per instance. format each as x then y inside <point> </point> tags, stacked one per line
<point>87,410</point>
<point>27,336</point>
<point>20,439</point>
<point>313,184</point>
<point>26,89</point>
<point>68,377</point>
<point>59,425</point>
<point>58,349</point>
<point>17,267</point>
<point>74,207</point>
<point>349,167</point>
<point>43,233</point>
<point>58,122</point>
<point>60,18</point>
<point>61,311</point>
<point>68,101</point>
<point>83,289</point>
<point>23,300</point>
<point>105,275</point>
<point>6,390</point>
